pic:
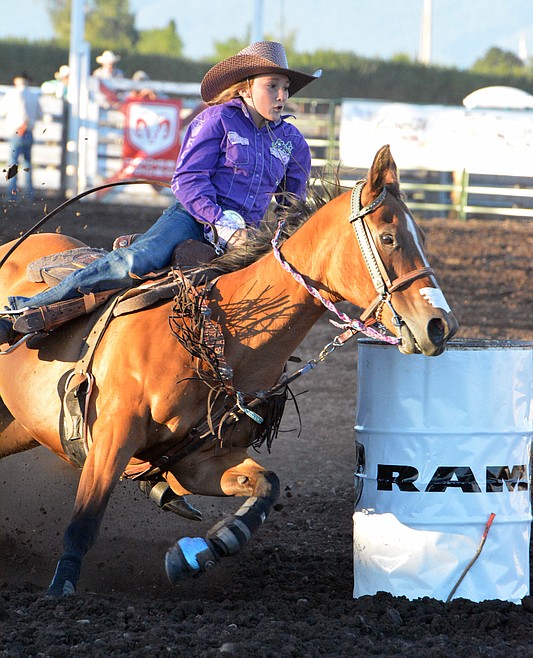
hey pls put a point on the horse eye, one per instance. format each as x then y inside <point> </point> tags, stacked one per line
<point>387,239</point>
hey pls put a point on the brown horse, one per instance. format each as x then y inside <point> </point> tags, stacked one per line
<point>147,397</point>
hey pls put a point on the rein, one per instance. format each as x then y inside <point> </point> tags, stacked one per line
<point>66,203</point>
<point>376,268</point>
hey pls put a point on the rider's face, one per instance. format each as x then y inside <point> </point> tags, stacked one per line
<point>266,96</point>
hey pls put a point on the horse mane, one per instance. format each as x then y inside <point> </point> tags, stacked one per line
<point>293,212</point>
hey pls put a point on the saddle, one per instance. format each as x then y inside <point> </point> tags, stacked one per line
<point>191,256</point>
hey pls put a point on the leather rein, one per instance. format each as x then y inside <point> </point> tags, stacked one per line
<point>376,268</point>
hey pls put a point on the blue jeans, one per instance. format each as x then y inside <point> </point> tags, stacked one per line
<point>150,252</point>
<point>20,148</point>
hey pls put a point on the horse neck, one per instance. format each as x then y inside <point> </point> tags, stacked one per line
<point>264,308</point>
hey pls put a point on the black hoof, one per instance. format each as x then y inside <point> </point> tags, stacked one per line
<point>167,500</point>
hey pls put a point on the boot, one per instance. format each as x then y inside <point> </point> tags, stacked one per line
<point>7,333</point>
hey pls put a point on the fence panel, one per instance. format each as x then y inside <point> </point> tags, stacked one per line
<point>429,193</point>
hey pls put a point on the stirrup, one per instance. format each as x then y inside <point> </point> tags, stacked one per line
<point>50,316</point>
<point>21,341</point>
<point>10,312</point>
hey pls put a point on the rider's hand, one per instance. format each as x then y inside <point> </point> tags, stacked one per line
<point>238,239</point>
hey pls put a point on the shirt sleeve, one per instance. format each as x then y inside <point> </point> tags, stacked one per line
<point>198,158</point>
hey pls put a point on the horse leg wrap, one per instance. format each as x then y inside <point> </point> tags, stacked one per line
<point>233,533</point>
<point>160,492</point>
<point>190,556</point>
<point>66,576</point>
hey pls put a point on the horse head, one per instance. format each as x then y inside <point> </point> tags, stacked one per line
<point>404,292</point>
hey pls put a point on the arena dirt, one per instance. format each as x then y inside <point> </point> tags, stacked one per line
<point>289,593</point>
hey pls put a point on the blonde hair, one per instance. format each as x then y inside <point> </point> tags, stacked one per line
<point>233,91</point>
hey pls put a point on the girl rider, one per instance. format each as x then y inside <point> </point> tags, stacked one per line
<point>236,155</point>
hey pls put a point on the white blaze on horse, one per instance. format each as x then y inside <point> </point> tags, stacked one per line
<point>159,410</point>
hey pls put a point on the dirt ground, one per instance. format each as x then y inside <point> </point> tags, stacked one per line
<point>289,593</point>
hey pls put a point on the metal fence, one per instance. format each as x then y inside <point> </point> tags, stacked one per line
<point>429,193</point>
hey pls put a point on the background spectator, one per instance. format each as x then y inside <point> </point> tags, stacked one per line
<point>107,68</point>
<point>145,93</point>
<point>59,85</point>
<point>20,108</point>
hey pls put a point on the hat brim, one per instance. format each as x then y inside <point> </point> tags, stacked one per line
<point>108,60</point>
<point>239,67</point>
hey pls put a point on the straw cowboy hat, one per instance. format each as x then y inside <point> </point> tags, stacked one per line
<point>63,72</point>
<point>108,57</point>
<point>258,58</point>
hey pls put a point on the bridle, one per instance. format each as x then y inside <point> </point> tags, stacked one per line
<point>376,268</point>
<point>374,263</point>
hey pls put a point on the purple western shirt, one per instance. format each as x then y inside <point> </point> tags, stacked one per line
<point>227,163</point>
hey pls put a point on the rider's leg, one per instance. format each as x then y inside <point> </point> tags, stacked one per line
<point>150,252</point>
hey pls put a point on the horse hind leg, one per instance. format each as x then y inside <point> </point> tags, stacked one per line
<point>191,556</point>
<point>13,437</point>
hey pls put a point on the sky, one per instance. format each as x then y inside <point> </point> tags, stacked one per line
<point>463,30</point>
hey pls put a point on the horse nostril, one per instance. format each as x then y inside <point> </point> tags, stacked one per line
<point>436,331</point>
<point>242,479</point>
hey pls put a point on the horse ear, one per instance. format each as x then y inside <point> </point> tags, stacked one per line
<point>383,171</point>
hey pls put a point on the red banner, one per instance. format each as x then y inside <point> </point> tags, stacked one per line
<point>151,139</point>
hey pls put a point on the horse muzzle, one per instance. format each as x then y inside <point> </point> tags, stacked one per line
<point>432,340</point>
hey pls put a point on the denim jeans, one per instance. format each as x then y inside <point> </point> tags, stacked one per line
<point>20,149</point>
<point>151,251</point>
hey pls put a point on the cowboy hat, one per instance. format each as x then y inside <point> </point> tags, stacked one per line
<point>140,76</point>
<point>63,72</point>
<point>257,59</point>
<point>108,57</point>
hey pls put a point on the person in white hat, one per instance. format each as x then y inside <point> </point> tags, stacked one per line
<point>59,85</point>
<point>107,68</point>
<point>236,156</point>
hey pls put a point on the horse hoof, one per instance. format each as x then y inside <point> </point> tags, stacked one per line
<point>179,505</point>
<point>58,591</point>
<point>167,500</point>
<point>190,556</point>
<point>65,578</point>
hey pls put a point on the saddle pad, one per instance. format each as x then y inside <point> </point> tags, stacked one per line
<point>55,267</point>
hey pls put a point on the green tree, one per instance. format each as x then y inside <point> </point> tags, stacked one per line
<point>161,41</point>
<point>108,23</point>
<point>498,62</point>
<point>59,11</point>
<point>224,49</point>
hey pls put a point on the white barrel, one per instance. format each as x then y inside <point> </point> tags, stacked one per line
<point>442,443</point>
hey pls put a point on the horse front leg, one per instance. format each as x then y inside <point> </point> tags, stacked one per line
<point>104,465</point>
<point>192,556</point>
